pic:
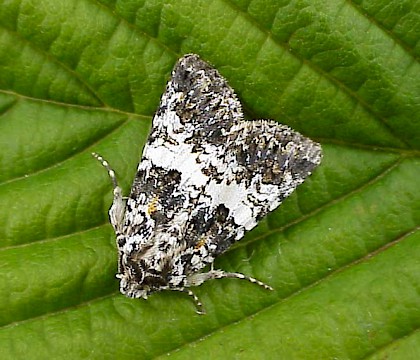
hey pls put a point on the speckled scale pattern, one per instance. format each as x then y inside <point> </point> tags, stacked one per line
<point>205,178</point>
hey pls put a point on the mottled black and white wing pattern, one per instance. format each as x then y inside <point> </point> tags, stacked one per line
<point>206,177</point>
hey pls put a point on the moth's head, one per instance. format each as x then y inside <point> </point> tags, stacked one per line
<point>136,281</point>
<point>130,288</point>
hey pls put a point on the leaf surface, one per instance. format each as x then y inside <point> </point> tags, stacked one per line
<point>343,252</point>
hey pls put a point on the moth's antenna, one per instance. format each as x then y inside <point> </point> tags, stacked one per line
<point>117,210</point>
<point>105,164</point>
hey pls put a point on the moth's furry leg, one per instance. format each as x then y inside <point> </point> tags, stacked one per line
<point>198,278</point>
<point>198,305</point>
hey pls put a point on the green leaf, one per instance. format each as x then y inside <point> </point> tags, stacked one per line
<point>343,252</point>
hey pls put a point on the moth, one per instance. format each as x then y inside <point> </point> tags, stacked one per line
<point>206,177</point>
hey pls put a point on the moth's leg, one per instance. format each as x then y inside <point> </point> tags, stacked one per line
<point>117,210</point>
<point>199,278</point>
<point>198,305</point>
